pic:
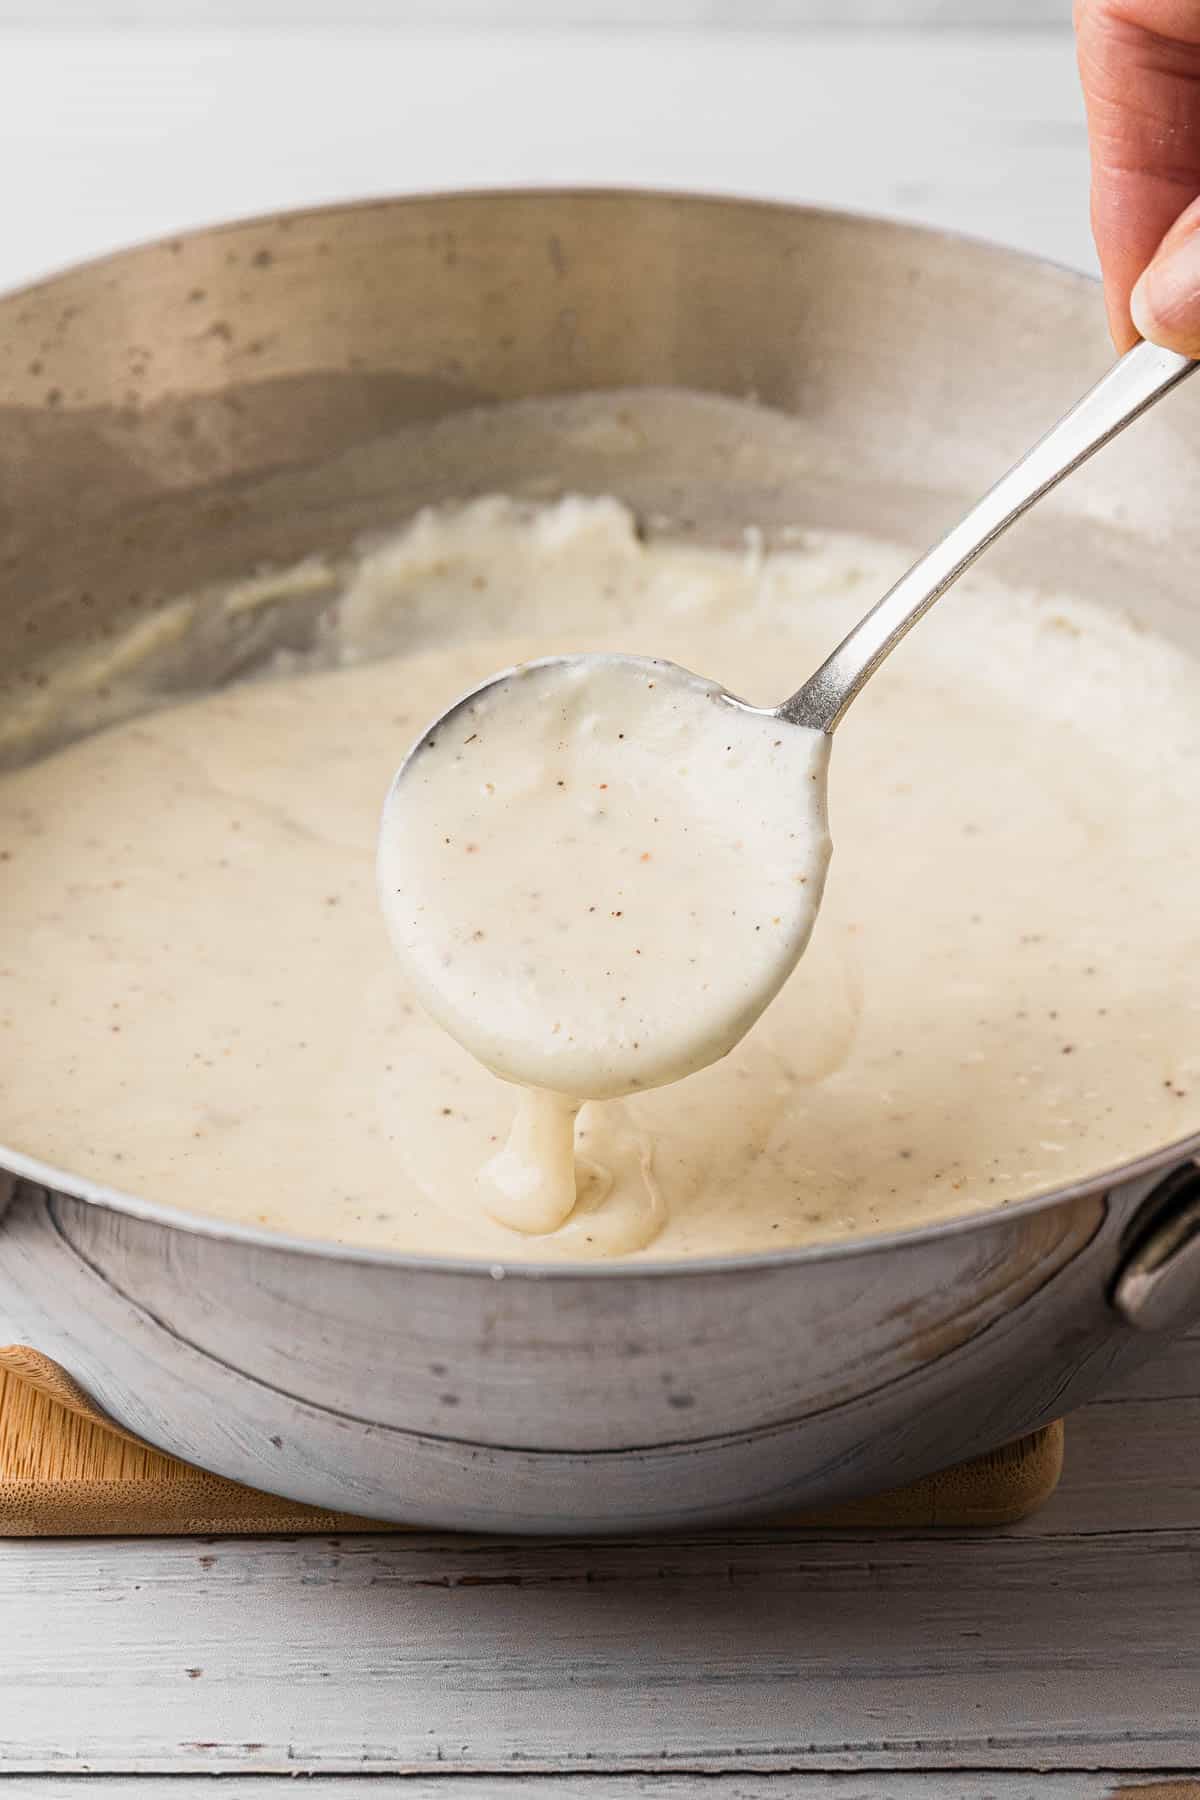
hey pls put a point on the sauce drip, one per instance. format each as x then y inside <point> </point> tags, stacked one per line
<point>597,872</point>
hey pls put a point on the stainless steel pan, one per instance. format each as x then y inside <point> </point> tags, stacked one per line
<point>176,415</point>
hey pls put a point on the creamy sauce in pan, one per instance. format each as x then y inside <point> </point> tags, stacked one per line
<point>198,1002</point>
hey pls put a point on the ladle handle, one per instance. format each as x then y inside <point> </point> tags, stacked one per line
<point>1141,377</point>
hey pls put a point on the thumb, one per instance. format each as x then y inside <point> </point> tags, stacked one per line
<point>1165,304</point>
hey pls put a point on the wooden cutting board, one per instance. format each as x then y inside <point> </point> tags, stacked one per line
<point>66,1471</point>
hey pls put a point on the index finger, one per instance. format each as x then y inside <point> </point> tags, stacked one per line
<point>1139,62</point>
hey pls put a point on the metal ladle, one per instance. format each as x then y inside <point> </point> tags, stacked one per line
<point>1133,385</point>
<point>736,987</point>
<point>1130,388</point>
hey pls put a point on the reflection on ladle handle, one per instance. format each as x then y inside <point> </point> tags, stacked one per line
<point>1141,377</point>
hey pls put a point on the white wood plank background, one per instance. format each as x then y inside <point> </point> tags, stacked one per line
<point>1095,1784</point>
<point>109,138</point>
<point>1069,1642</point>
<point>504,14</point>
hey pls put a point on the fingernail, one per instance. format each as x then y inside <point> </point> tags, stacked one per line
<point>1165,304</point>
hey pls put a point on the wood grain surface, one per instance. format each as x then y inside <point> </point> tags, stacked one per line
<point>1095,1784</point>
<point>67,1471</point>
<point>501,15</point>
<point>1068,1642</point>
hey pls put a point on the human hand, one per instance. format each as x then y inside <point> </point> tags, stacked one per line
<point>1139,61</point>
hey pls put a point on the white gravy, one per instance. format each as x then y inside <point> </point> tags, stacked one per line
<point>198,1003</point>
<point>597,872</point>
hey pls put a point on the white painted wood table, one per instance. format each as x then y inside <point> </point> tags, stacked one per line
<point>745,1667</point>
<point>787,1665</point>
